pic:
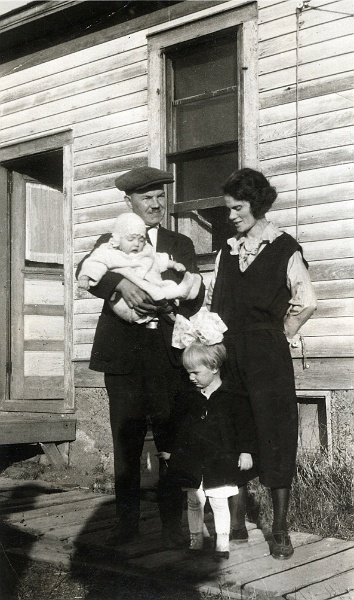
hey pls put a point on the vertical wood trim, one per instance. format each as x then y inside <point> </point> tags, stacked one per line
<point>68,177</point>
<point>250,96</point>
<point>18,238</point>
<point>4,280</point>
<point>155,103</point>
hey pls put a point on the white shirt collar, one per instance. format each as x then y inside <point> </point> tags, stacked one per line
<point>266,234</point>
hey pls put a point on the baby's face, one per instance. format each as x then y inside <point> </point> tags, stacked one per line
<point>132,244</point>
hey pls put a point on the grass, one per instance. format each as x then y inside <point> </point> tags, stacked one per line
<point>321,498</point>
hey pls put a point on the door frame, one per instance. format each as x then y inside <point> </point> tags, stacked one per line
<point>64,140</point>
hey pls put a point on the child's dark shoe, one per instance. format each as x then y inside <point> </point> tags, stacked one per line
<point>220,555</point>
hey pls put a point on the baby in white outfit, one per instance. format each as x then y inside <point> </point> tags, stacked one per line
<point>128,254</point>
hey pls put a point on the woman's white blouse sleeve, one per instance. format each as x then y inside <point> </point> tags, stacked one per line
<point>209,294</point>
<point>302,303</point>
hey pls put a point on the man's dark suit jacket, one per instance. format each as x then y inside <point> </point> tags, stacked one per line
<point>117,342</point>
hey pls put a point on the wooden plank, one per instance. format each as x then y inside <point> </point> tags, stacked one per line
<point>43,327</point>
<point>83,351</point>
<point>87,146</point>
<point>277,131</point>
<point>106,504</point>
<point>278,79</point>
<point>107,48</point>
<point>274,12</point>
<point>43,309</point>
<point>69,74</point>
<point>324,374</point>
<point>86,321</point>
<point>326,176</point>
<point>39,406</point>
<point>322,122</point>
<point>4,270</point>
<point>326,212</point>
<point>110,156</point>
<point>322,249</point>
<point>337,192</point>
<point>284,26</point>
<point>277,148</point>
<point>53,455</point>
<point>331,586</point>
<point>43,387</point>
<point>322,32</point>
<point>326,347</point>
<point>284,43</point>
<point>106,127</point>
<point>277,62</point>
<point>93,228</point>
<point>326,139</point>
<point>328,326</point>
<point>286,112</point>
<point>278,166</point>
<point>107,181</point>
<point>38,363</point>
<point>337,10</point>
<point>76,88</point>
<point>325,85</point>
<point>328,157</point>
<point>43,291</point>
<point>111,196</point>
<point>35,431</point>
<point>88,98</point>
<point>41,345</point>
<point>326,49</point>
<point>315,571</point>
<point>334,289</point>
<point>336,307</point>
<point>326,67</point>
<point>84,377</point>
<point>42,500</point>
<point>342,82</point>
<point>326,230</point>
<point>326,103</point>
<point>68,118</point>
<point>89,305</point>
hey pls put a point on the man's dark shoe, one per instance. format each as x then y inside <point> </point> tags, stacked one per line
<point>239,535</point>
<point>281,546</point>
<point>122,534</point>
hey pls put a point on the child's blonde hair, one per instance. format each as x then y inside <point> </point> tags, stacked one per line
<point>197,353</point>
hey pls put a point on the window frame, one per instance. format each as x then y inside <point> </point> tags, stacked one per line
<point>161,44</point>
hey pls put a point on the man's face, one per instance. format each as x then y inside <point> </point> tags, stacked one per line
<point>150,205</point>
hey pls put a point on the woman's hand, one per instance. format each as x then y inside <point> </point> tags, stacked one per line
<point>245,461</point>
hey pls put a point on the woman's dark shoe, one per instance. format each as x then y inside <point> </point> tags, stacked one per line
<point>281,546</point>
<point>220,555</point>
<point>239,535</point>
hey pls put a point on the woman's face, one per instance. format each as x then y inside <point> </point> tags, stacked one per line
<point>240,214</point>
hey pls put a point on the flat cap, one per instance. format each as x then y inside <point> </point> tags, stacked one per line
<point>141,178</point>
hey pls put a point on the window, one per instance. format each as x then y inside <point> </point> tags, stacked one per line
<point>44,225</point>
<point>203,88</point>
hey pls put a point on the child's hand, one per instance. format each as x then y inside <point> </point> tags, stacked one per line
<point>179,267</point>
<point>245,461</point>
<point>84,283</point>
<point>164,455</point>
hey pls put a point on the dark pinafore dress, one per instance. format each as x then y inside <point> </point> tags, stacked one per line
<point>253,304</point>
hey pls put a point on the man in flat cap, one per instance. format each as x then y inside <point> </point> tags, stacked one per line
<point>142,371</point>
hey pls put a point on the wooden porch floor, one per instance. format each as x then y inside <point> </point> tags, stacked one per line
<point>68,528</point>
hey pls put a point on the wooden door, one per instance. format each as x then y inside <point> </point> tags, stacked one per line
<point>37,297</point>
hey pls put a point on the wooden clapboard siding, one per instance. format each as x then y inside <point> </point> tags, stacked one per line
<point>306,148</point>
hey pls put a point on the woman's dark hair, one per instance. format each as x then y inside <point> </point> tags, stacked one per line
<point>253,186</point>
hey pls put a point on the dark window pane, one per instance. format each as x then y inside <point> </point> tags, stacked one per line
<point>206,122</point>
<point>207,67</point>
<point>203,177</point>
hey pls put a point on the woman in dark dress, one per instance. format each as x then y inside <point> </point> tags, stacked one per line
<point>262,291</point>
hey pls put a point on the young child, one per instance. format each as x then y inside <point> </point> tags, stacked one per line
<point>213,442</point>
<point>128,253</point>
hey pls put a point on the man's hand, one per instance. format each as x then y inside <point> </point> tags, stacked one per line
<point>245,461</point>
<point>136,298</point>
